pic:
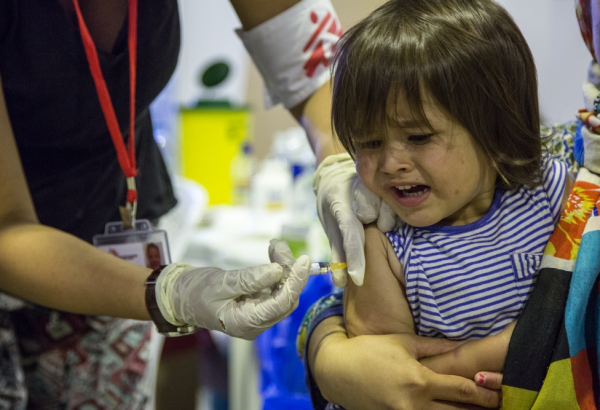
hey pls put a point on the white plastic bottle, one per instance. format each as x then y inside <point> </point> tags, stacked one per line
<point>242,169</point>
<point>272,186</point>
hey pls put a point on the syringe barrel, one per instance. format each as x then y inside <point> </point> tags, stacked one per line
<point>319,268</point>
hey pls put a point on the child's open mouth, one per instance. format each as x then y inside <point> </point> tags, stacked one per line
<point>412,190</point>
<point>410,195</point>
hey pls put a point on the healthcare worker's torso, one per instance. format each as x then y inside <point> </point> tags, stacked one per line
<point>56,359</point>
<point>68,156</point>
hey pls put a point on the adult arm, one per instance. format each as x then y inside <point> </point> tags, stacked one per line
<point>53,268</point>
<point>314,112</point>
<point>57,270</point>
<point>375,372</point>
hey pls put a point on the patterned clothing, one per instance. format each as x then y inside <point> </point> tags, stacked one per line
<point>583,11</point>
<point>470,281</point>
<point>54,360</point>
<point>560,143</point>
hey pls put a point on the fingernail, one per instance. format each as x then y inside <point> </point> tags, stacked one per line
<point>480,379</point>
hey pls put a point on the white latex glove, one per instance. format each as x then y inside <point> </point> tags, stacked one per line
<point>239,303</point>
<point>344,204</point>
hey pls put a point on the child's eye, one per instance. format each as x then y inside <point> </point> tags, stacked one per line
<point>371,144</point>
<point>419,139</point>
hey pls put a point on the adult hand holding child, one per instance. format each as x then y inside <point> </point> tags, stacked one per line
<point>384,372</point>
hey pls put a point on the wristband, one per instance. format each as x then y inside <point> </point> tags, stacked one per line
<point>293,50</point>
<point>163,326</point>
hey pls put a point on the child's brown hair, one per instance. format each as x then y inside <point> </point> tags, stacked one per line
<point>469,55</point>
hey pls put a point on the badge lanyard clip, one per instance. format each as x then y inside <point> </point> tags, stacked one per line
<point>128,212</point>
<point>126,157</point>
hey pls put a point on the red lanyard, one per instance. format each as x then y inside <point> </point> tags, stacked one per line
<point>126,159</point>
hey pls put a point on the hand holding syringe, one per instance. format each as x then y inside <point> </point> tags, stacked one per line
<point>316,268</point>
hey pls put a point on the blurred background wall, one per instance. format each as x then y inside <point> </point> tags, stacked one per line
<point>552,31</point>
<point>549,26</point>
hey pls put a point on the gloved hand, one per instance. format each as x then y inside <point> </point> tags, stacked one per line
<point>344,204</point>
<point>240,303</point>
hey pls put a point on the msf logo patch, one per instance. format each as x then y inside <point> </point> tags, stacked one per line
<point>322,42</point>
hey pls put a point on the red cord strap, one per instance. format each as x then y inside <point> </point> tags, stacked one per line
<point>126,157</point>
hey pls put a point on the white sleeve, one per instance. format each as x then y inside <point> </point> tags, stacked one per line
<point>293,50</point>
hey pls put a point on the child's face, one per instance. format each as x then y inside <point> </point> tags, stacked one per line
<point>427,177</point>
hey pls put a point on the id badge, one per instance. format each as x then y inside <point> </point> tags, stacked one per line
<point>144,245</point>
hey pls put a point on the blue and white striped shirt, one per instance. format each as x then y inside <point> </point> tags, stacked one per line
<point>470,281</point>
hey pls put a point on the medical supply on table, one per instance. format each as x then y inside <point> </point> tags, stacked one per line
<point>241,170</point>
<point>271,189</point>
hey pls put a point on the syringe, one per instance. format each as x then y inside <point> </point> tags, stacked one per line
<point>316,268</point>
<point>321,268</point>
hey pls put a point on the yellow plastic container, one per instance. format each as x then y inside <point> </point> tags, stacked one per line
<point>210,138</point>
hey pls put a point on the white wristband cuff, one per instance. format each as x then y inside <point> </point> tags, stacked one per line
<point>164,289</point>
<point>293,50</point>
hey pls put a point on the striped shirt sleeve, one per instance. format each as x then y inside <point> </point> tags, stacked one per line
<point>397,238</point>
<point>554,179</point>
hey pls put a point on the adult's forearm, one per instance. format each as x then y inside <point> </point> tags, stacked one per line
<point>255,12</point>
<point>314,116</point>
<point>375,372</point>
<point>321,354</point>
<point>57,270</point>
<point>313,113</point>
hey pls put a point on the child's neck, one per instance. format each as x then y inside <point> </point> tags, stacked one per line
<point>472,212</point>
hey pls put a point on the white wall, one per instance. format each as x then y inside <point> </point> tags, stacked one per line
<point>207,35</point>
<point>562,59</point>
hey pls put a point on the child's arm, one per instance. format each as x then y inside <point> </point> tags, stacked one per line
<point>487,354</point>
<point>379,306</point>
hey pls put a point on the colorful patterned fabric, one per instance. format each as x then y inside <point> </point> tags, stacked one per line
<point>52,360</point>
<point>552,358</point>
<point>559,142</point>
<point>582,8</point>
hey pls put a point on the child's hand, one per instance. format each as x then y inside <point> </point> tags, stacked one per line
<point>489,379</point>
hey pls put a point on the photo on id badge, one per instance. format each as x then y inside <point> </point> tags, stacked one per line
<point>143,246</point>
